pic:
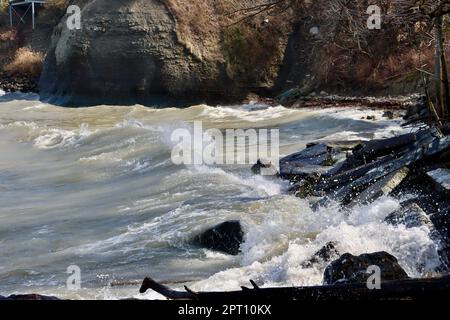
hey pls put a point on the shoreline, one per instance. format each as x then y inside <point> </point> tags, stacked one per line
<point>369,151</point>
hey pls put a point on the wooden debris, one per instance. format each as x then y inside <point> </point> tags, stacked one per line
<point>382,187</point>
<point>407,289</point>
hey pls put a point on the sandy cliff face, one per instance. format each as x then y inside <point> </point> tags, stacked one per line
<point>130,51</point>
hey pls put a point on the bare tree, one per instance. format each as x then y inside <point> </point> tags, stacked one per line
<point>347,19</point>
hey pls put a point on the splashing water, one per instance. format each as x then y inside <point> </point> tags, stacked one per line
<point>95,187</point>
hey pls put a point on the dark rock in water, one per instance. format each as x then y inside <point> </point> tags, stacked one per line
<point>325,254</point>
<point>27,297</point>
<point>411,216</point>
<point>225,237</point>
<point>353,269</point>
<point>265,168</point>
<point>306,186</point>
<point>388,114</point>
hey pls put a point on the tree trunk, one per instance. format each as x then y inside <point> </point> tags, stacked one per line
<point>441,76</point>
<point>445,83</point>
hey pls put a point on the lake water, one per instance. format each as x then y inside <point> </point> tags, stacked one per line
<point>96,188</point>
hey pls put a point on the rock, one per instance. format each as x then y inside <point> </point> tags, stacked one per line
<point>325,254</point>
<point>388,114</point>
<point>411,216</point>
<point>373,118</point>
<point>225,237</point>
<point>405,290</point>
<point>306,186</point>
<point>353,269</point>
<point>265,168</point>
<point>141,51</point>
<point>441,178</point>
<point>382,187</point>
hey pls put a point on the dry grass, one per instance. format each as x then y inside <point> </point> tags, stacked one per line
<point>8,35</point>
<point>197,26</point>
<point>25,62</point>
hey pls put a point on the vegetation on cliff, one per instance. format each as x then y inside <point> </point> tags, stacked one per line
<point>235,47</point>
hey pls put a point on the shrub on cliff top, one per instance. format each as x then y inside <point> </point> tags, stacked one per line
<point>25,62</point>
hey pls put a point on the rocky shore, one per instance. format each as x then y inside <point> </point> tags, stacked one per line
<point>18,83</point>
<point>352,173</point>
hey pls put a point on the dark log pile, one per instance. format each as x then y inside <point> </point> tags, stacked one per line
<point>377,162</point>
<point>407,289</point>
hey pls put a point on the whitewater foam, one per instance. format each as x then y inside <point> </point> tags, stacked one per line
<point>60,138</point>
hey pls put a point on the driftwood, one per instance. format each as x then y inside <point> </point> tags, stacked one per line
<point>378,148</point>
<point>409,289</point>
<point>429,143</point>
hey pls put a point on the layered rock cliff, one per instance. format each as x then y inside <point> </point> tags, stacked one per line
<point>179,52</point>
<point>142,51</point>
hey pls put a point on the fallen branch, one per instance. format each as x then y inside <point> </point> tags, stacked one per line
<point>410,289</point>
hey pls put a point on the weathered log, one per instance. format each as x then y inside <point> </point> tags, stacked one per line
<point>317,157</point>
<point>337,180</point>
<point>441,179</point>
<point>407,289</point>
<point>378,148</point>
<point>382,187</point>
<point>427,145</point>
<point>353,269</point>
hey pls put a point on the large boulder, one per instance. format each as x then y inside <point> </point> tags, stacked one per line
<point>225,237</point>
<point>131,51</point>
<point>353,269</point>
<point>380,188</point>
<point>159,53</point>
